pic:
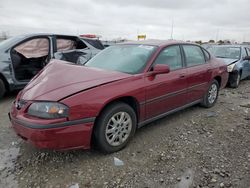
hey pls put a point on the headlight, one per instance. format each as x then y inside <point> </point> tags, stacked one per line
<point>230,67</point>
<point>48,110</point>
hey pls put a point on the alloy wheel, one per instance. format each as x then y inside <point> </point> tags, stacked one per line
<point>212,93</point>
<point>118,128</point>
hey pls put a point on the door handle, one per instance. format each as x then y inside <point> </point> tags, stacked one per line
<point>182,76</point>
<point>209,70</point>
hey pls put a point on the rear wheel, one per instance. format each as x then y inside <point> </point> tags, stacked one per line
<point>115,127</point>
<point>211,96</point>
<point>235,80</point>
<point>2,88</point>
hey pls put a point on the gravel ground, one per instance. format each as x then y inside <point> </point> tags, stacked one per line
<point>196,147</point>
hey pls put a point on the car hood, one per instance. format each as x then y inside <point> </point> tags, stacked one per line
<point>60,79</point>
<point>228,61</point>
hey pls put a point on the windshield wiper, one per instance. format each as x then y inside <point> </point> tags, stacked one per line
<point>221,57</point>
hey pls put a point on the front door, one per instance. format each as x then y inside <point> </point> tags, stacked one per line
<point>28,58</point>
<point>165,92</point>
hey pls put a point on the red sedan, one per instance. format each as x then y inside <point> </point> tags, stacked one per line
<point>124,87</point>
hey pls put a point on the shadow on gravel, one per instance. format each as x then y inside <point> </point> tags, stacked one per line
<point>9,96</point>
<point>162,122</point>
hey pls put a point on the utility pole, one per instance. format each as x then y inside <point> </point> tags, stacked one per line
<point>137,34</point>
<point>172,29</point>
<point>217,35</point>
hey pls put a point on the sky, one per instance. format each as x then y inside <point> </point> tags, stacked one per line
<point>191,19</point>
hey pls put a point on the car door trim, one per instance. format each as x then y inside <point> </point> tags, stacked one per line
<point>182,91</point>
<point>166,96</point>
<point>141,124</point>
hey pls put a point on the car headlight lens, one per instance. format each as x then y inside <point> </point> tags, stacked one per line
<point>48,110</point>
<point>230,67</point>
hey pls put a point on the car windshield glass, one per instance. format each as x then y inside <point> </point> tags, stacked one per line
<point>8,42</point>
<point>123,58</point>
<point>225,52</point>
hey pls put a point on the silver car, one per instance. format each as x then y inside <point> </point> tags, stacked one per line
<point>22,57</point>
<point>237,58</point>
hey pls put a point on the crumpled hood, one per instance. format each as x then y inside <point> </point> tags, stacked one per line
<point>60,79</point>
<point>228,61</point>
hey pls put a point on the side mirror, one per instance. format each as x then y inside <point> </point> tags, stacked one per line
<point>161,69</point>
<point>246,58</point>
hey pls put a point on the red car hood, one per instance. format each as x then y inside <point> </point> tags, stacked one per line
<point>60,79</point>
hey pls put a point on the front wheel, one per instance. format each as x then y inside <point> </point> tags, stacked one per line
<point>115,127</point>
<point>211,96</point>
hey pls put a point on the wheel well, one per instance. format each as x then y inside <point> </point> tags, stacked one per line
<point>131,101</point>
<point>240,72</point>
<point>218,79</point>
<point>5,82</point>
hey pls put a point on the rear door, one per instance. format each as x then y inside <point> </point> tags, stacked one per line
<point>165,92</point>
<point>72,49</point>
<point>245,63</point>
<point>198,71</point>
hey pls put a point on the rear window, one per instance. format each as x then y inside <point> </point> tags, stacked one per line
<point>95,43</point>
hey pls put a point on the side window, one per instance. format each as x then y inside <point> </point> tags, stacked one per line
<point>66,44</point>
<point>244,52</point>
<point>170,56</point>
<point>34,48</point>
<point>207,55</point>
<point>194,55</point>
<point>248,51</point>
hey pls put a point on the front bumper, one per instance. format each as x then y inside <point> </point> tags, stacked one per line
<point>58,136</point>
<point>232,77</point>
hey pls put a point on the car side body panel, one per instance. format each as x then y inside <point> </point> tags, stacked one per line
<point>95,99</point>
<point>165,92</point>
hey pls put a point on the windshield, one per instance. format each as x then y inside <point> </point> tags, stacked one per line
<point>8,42</point>
<point>123,58</point>
<point>225,52</point>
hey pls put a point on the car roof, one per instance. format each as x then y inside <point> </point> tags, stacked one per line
<point>156,42</point>
<point>231,45</point>
<point>51,34</point>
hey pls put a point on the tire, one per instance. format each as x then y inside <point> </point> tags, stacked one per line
<point>107,129</point>
<point>211,96</point>
<point>2,89</point>
<point>235,80</point>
